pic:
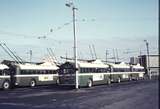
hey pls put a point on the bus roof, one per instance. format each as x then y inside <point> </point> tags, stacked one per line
<point>120,65</point>
<point>93,64</point>
<point>43,66</point>
<point>2,67</point>
<point>138,66</point>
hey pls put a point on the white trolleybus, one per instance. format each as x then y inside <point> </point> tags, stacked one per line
<point>31,75</point>
<point>97,72</point>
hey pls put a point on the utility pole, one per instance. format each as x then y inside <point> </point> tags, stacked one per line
<point>75,39</point>
<point>30,55</point>
<point>66,56</point>
<point>117,55</point>
<point>114,56</point>
<point>106,55</point>
<point>140,59</point>
<point>148,66</point>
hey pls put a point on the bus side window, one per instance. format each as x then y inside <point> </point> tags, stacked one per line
<point>80,70</point>
<point>29,72</point>
<point>37,72</point>
<point>44,71</point>
<point>84,70</point>
<point>25,72</point>
<point>114,70</point>
<point>105,70</point>
<point>102,70</point>
<point>22,72</point>
<point>55,71</point>
<point>50,72</point>
<point>89,70</point>
<point>98,70</point>
<point>108,70</point>
<point>47,71</point>
<point>93,70</point>
<point>33,72</point>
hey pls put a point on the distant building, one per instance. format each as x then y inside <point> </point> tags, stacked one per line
<point>134,60</point>
<point>153,63</point>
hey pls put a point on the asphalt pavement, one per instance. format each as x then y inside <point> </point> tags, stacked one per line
<point>142,94</point>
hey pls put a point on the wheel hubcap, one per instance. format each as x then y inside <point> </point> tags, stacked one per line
<point>119,80</point>
<point>32,83</point>
<point>90,83</point>
<point>109,81</point>
<point>6,85</point>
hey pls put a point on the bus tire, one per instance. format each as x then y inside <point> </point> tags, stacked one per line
<point>137,78</point>
<point>89,83</point>
<point>32,83</point>
<point>109,81</point>
<point>57,82</point>
<point>130,78</point>
<point>6,85</point>
<point>119,80</point>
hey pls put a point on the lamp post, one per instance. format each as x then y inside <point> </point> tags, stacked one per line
<point>148,66</point>
<point>71,5</point>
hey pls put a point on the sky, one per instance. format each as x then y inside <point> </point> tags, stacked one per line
<point>118,26</point>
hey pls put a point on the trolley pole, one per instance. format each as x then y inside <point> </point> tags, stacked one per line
<point>75,40</point>
<point>148,64</point>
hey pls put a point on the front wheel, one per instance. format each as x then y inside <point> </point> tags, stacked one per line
<point>90,83</point>
<point>109,81</point>
<point>6,85</point>
<point>57,82</point>
<point>119,80</point>
<point>137,78</point>
<point>32,83</point>
<point>130,78</point>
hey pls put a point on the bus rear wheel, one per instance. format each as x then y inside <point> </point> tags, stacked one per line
<point>33,83</point>
<point>90,83</point>
<point>137,78</point>
<point>57,82</point>
<point>119,80</point>
<point>109,81</point>
<point>130,78</point>
<point>6,85</point>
